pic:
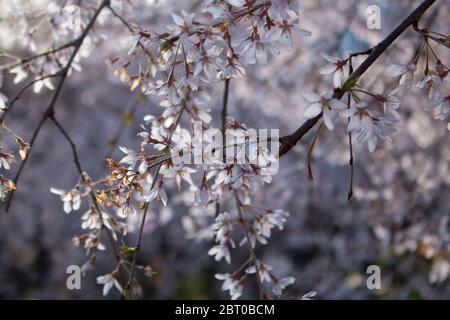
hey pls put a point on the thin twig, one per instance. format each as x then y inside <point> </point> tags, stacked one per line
<point>425,33</point>
<point>68,45</point>
<point>309,153</point>
<point>19,94</point>
<point>51,107</point>
<point>249,245</point>
<point>122,19</point>
<point>226,92</point>
<point>80,170</point>
<point>126,294</point>
<point>350,142</point>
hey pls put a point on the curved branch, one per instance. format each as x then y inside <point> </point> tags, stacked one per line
<point>51,107</point>
<point>289,141</point>
<point>76,160</point>
<point>19,94</point>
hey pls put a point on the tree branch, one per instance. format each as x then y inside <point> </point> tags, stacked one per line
<point>80,170</point>
<point>251,252</point>
<point>126,294</point>
<point>51,107</point>
<point>19,94</point>
<point>289,141</point>
<point>39,55</point>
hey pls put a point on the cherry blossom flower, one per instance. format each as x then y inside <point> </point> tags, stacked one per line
<point>223,225</point>
<point>441,107</point>
<point>115,226</point>
<point>3,102</point>
<point>253,236</point>
<point>284,8</point>
<point>266,221</point>
<point>335,67</point>
<point>207,63</point>
<point>263,271</point>
<point>20,74</point>
<point>236,3</point>
<point>367,127</point>
<point>6,159</point>
<point>324,104</point>
<point>157,193</point>
<point>361,122</point>
<point>440,271</point>
<point>217,10</point>
<point>442,70</point>
<point>226,174</point>
<point>280,284</point>
<point>309,295</point>
<point>130,157</point>
<point>256,51</point>
<point>285,31</point>
<point>359,116</point>
<point>405,72</point>
<point>232,70</point>
<point>38,85</point>
<point>179,172</point>
<point>89,241</point>
<point>108,281</point>
<point>390,103</point>
<point>183,26</point>
<point>93,220</point>
<point>433,85</point>
<point>71,199</point>
<point>24,148</point>
<point>232,284</point>
<point>6,186</point>
<point>220,251</point>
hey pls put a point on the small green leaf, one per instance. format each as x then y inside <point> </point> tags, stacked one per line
<point>127,251</point>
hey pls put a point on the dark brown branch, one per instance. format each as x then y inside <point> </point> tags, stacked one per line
<point>37,56</point>
<point>224,113</point>
<point>51,107</point>
<point>19,94</point>
<point>289,141</point>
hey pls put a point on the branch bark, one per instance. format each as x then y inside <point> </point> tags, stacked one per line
<point>289,141</point>
<point>51,107</point>
<point>77,162</point>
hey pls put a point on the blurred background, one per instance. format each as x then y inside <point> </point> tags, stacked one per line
<point>397,219</point>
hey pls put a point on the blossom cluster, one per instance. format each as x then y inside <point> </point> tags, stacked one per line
<point>369,121</point>
<point>180,68</point>
<point>63,23</point>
